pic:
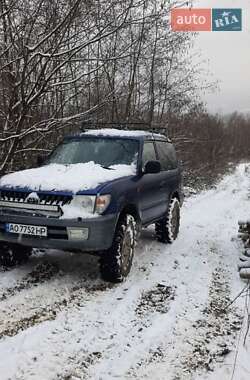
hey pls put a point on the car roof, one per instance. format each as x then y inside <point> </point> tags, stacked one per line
<point>118,133</point>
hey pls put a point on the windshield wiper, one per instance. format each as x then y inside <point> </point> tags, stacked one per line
<point>107,167</point>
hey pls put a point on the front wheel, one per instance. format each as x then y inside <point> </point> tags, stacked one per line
<point>13,254</point>
<point>116,262</point>
<point>167,229</point>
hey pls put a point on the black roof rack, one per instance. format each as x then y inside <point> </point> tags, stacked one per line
<point>139,125</point>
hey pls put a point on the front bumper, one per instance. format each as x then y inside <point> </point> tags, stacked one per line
<point>101,231</point>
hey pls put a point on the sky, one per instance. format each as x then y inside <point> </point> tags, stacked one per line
<point>228,56</point>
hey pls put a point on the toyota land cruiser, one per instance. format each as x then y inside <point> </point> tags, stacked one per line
<point>93,193</point>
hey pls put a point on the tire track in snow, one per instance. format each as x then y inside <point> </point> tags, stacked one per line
<point>48,289</point>
<point>144,313</point>
<point>77,297</point>
<point>47,272</point>
<point>214,333</point>
<point>213,326</point>
<point>44,271</point>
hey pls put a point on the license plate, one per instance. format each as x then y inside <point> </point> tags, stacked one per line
<point>24,229</point>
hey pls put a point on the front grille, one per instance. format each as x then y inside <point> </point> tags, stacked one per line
<point>45,199</point>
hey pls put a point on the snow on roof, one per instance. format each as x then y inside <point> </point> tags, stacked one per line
<point>73,178</point>
<point>115,132</point>
<point>112,132</point>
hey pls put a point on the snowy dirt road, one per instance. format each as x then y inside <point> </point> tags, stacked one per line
<point>168,321</point>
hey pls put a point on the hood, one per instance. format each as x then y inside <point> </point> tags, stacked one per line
<point>72,178</point>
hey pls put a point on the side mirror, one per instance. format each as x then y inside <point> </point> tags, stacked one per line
<point>152,167</point>
<point>40,160</point>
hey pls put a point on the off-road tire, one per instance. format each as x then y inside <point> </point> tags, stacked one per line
<point>167,229</point>
<point>13,254</point>
<point>116,262</point>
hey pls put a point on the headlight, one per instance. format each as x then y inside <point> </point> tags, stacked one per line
<point>102,202</point>
<point>85,202</point>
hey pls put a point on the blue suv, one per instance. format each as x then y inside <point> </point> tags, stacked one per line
<point>93,194</point>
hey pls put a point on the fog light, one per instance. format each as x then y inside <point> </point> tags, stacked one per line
<point>75,233</point>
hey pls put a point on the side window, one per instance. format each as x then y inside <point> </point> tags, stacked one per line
<point>167,155</point>
<point>148,153</point>
<point>172,156</point>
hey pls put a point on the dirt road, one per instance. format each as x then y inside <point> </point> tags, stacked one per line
<point>168,321</point>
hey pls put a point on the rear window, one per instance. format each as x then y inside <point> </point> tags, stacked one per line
<point>167,155</point>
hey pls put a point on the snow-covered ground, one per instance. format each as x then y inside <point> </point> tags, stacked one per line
<point>168,321</point>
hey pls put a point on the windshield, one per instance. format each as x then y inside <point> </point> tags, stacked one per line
<point>102,151</point>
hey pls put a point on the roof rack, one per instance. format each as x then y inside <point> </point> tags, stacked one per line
<point>90,124</point>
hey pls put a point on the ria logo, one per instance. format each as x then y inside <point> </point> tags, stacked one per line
<point>206,20</point>
<point>227,20</point>
<point>33,198</point>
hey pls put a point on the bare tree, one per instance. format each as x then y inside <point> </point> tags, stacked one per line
<point>69,60</point>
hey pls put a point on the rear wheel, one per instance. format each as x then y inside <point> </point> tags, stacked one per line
<point>167,229</point>
<point>13,254</point>
<point>116,262</point>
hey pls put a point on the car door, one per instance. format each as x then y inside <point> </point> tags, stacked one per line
<point>169,170</point>
<point>149,187</point>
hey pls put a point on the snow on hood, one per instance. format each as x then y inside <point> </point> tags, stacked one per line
<point>73,178</point>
